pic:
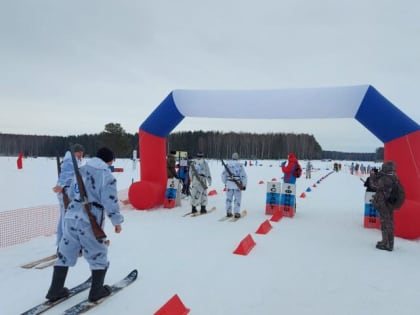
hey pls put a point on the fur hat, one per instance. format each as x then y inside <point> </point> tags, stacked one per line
<point>105,154</point>
<point>78,148</point>
<point>173,152</point>
<point>235,156</point>
<point>200,154</point>
<point>388,167</point>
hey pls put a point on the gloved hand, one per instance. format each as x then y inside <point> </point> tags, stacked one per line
<point>244,188</point>
<point>283,163</point>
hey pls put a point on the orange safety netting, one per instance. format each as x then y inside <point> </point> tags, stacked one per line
<point>21,225</point>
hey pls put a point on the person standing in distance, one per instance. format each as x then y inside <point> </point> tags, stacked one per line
<point>382,182</point>
<point>289,169</point>
<point>200,178</point>
<point>171,164</point>
<point>234,184</point>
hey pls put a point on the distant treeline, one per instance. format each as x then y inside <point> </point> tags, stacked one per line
<point>272,146</point>
<point>212,144</point>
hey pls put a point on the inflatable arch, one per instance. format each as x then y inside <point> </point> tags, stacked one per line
<point>399,133</point>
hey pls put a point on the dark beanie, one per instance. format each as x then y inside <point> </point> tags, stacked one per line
<point>105,154</point>
<point>78,148</point>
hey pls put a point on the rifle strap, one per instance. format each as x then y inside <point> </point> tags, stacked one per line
<point>94,203</point>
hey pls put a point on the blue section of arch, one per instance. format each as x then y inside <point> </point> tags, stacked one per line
<point>382,118</point>
<point>163,119</point>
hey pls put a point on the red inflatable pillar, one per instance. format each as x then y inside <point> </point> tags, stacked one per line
<point>405,151</point>
<point>19,161</point>
<point>149,192</point>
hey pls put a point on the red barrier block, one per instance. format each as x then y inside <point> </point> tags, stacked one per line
<point>372,222</point>
<point>245,246</point>
<point>212,192</point>
<point>277,216</point>
<point>261,182</point>
<point>118,169</point>
<point>288,211</point>
<point>169,203</point>
<point>173,307</point>
<point>264,228</point>
<point>271,208</point>
<point>302,195</point>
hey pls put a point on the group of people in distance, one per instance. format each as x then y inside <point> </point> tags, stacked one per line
<point>233,176</point>
<point>235,180</point>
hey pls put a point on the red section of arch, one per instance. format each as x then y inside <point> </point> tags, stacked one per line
<point>149,192</point>
<point>405,151</point>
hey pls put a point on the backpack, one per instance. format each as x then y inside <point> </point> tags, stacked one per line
<point>297,171</point>
<point>397,196</point>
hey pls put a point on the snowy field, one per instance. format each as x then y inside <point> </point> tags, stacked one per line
<point>322,261</point>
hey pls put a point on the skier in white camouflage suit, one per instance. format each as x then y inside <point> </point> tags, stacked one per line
<point>63,183</point>
<point>381,182</point>
<point>101,189</point>
<point>200,180</point>
<point>233,192</point>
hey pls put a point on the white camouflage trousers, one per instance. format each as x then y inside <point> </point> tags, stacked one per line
<point>233,196</point>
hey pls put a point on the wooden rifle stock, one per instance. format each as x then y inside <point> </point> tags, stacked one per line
<point>96,228</point>
<point>237,182</point>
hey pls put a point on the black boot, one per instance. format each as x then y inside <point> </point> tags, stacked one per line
<point>193,209</point>
<point>382,242</point>
<point>203,209</point>
<point>390,241</point>
<point>98,290</point>
<point>57,289</point>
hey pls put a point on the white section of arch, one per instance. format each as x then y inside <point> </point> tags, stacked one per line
<point>328,102</point>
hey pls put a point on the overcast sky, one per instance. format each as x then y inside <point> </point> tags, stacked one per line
<point>70,67</point>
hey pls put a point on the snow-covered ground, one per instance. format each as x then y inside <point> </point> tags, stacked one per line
<point>322,261</point>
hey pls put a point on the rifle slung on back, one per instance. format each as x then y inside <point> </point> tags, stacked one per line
<point>96,228</point>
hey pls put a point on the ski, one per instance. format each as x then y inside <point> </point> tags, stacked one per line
<point>188,213</point>
<point>45,264</point>
<point>233,219</point>
<point>243,213</point>
<point>45,306</point>
<point>85,305</point>
<point>197,214</point>
<point>39,261</point>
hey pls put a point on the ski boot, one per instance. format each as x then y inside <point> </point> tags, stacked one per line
<point>57,290</point>
<point>98,290</point>
<point>203,210</point>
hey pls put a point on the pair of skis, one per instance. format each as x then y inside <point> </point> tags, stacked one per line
<point>197,214</point>
<point>84,305</point>
<point>233,219</point>
<point>41,263</point>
